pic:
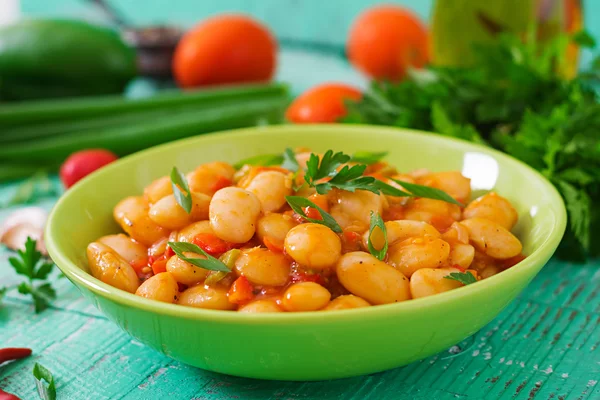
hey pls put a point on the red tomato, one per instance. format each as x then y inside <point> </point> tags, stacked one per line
<point>83,163</point>
<point>323,103</point>
<point>225,49</point>
<point>385,41</point>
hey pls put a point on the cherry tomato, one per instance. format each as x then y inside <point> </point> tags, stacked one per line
<point>323,103</point>
<point>225,49</point>
<point>385,41</point>
<point>83,163</point>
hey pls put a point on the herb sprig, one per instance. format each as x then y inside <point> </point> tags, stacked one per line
<point>466,278</point>
<point>352,178</point>
<point>30,263</point>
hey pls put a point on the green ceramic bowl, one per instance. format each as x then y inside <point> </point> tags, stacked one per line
<point>309,345</point>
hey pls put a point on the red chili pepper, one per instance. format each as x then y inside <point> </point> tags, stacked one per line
<point>13,353</point>
<point>211,243</point>
<point>241,291</point>
<point>7,396</point>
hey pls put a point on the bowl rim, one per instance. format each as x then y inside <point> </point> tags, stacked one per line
<point>80,277</point>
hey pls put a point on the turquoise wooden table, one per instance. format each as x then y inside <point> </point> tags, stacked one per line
<point>545,345</point>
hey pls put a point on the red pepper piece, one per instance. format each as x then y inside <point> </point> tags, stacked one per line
<point>241,291</point>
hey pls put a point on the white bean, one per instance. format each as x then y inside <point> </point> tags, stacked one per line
<point>233,214</point>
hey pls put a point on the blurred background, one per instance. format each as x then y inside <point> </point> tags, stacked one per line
<point>312,33</point>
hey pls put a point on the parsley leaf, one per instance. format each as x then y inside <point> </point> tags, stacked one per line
<point>44,381</point>
<point>378,233</point>
<point>263,160</point>
<point>210,263</point>
<point>368,157</point>
<point>466,278</point>
<point>181,190</point>
<point>321,167</point>
<point>297,203</point>
<point>289,160</point>
<point>350,179</point>
<point>29,263</point>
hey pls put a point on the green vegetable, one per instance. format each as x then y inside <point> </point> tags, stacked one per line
<point>92,108</point>
<point>466,278</point>
<point>50,58</point>
<point>351,179</point>
<point>289,160</point>
<point>297,203</point>
<point>210,263</point>
<point>181,190</point>
<point>377,223</point>
<point>427,192</point>
<point>513,100</point>
<point>130,138</point>
<point>367,157</point>
<point>47,390</point>
<point>30,264</point>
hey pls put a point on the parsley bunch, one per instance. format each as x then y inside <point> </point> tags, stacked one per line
<point>513,100</point>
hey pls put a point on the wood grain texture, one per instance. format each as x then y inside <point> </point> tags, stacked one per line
<point>545,345</point>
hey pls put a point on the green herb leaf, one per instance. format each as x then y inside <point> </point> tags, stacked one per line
<point>181,190</point>
<point>289,160</point>
<point>3,291</point>
<point>584,39</point>
<point>210,263</point>
<point>297,203</point>
<point>579,207</point>
<point>319,168</point>
<point>377,226</point>
<point>466,278</point>
<point>427,192</point>
<point>44,381</point>
<point>264,160</point>
<point>43,295</point>
<point>349,179</point>
<point>43,270</point>
<point>390,190</point>
<point>368,157</point>
<point>27,259</point>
